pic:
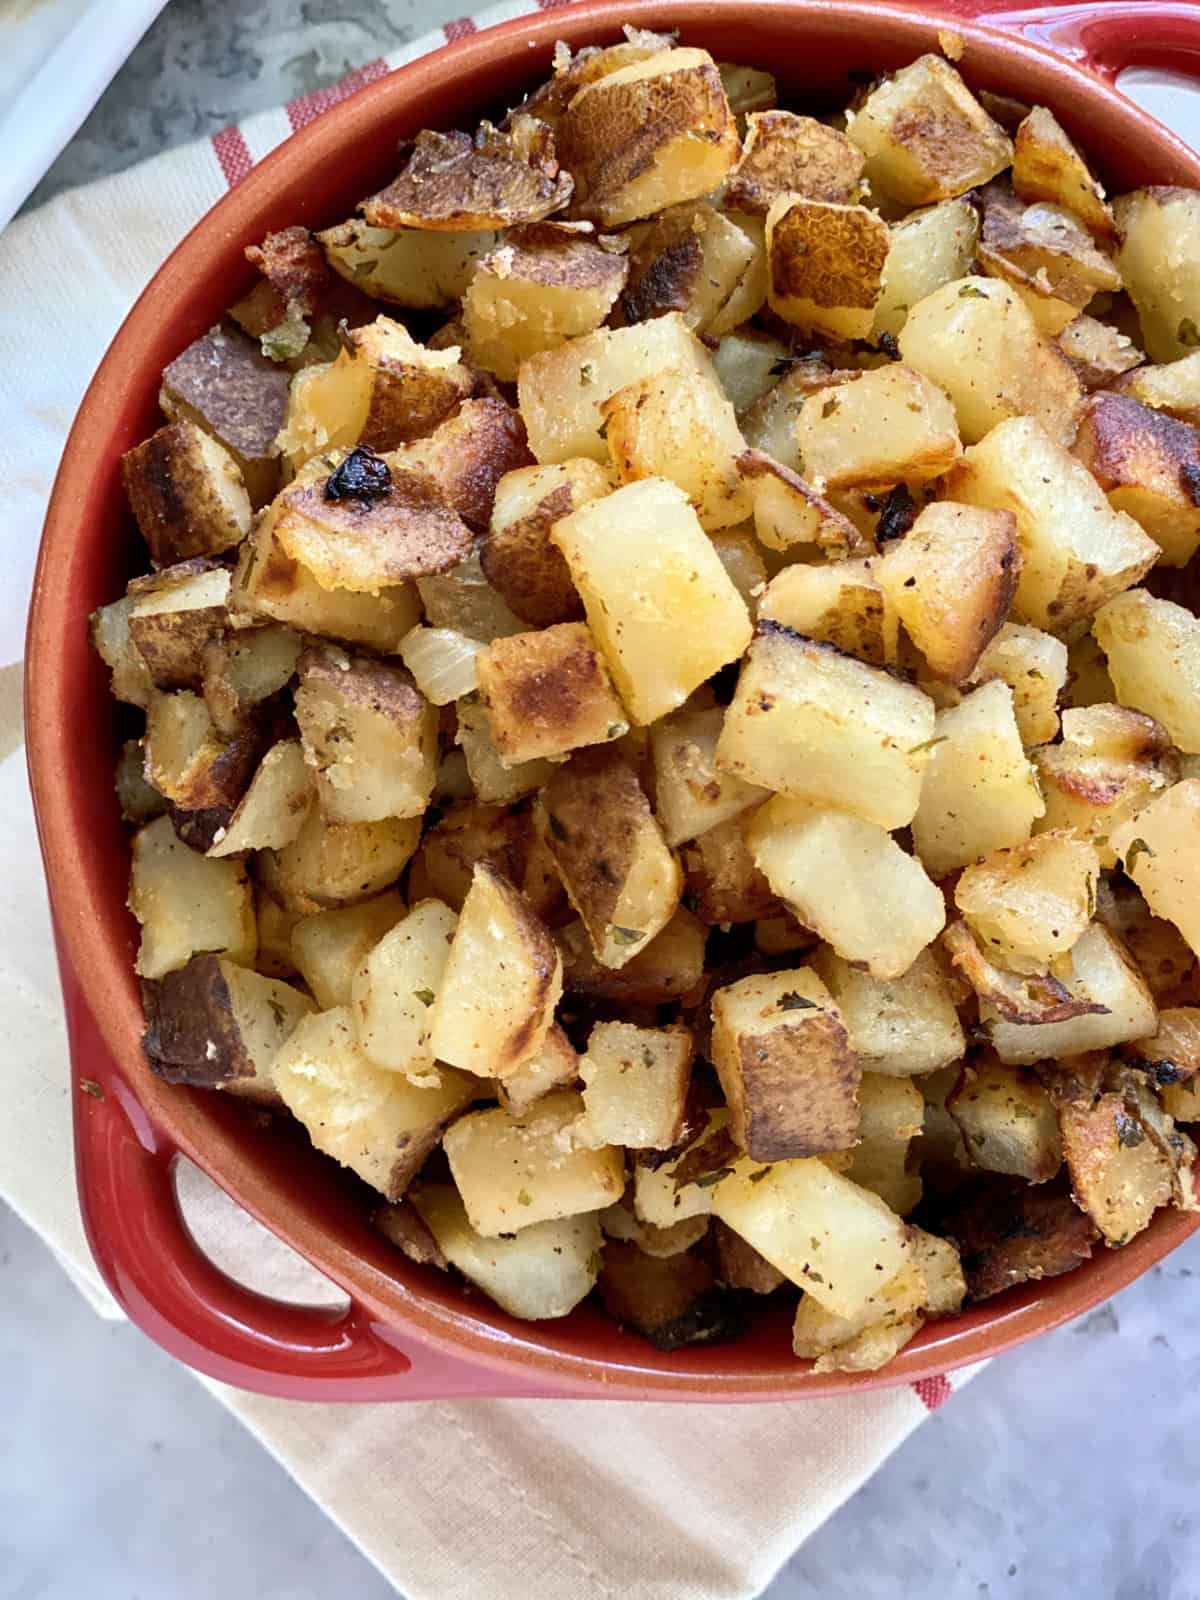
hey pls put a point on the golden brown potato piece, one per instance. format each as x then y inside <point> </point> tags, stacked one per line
<point>328,947</point>
<point>952,579</point>
<point>672,1301</point>
<point>1173,387</point>
<point>668,968</point>
<point>547,693</point>
<point>1011,1233</point>
<point>242,668</point>
<point>1159,234</point>
<point>1008,1120</point>
<point>898,1027</point>
<point>452,182</point>
<point>1036,999</point>
<point>1035,667</point>
<point>787,154</point>
<point>187,494</point>
<point>786,1066</point>
<point>1155,848</point>
<point>926,137</point>
<point>556,1066</point>
<point>518,558</point>
<point>724,882</point>
<point>1029,904</point>
<point>610,852</point>
<point>272,811</point>
<point>1148,465</point>
<point>540,287</point>
<point>215,1025</point>
<point>504,839</point>
<point>891,1116</point>
<point>572,70</point>
<point>1099,353</point>
<point>129,676</point>
<point>188,761</point>
<point>1161,953</point>
<point>186,904</point>
<point>650,135</point>
<point>879,428</point>
<point>691,794</point>
<point>840,604</point>
<point>1045,254</point>
<point>467,455</point>
<point>1047,165</point>
<point>929,248</point>
<point>789,512</point>
<point>338,863</point>
<point>1118,1173</point>
<point>1153,651</point>
<point>1171,1055</point>
<point>865,1342</point>
<point>635,1083</point>
<point>176,615</point>
<point>225,385</point>
<point>825,265</point>
<point>368,735</point>
<point>691,259</point>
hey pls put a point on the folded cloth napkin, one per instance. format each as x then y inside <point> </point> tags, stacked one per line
<point>533,1499</point>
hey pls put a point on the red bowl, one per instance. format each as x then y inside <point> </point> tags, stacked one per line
<point>411,1332</point>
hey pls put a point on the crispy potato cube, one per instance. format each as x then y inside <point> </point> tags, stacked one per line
<point>786,1065</point>
<point>243,668</point>
<point>1047,165</point>
<point>512,1173</point>
<point>1156,847</point>
<point>1099,353</point>
<point>691,794</point>
<point>175,616</point>
<point>1173,388</point>
<point>788,512</point>
<point>556,1066</point>
<point>610,853</point>
<point>840,604</point>
<point>376,1123</point>
<point>538,288</point>
<point>1045,254</point>
<point>1008,1120</point>
<point>454,183</point>
<point>678,427</point>
<point>1101,973</point>
<point>368,735</point>
<point>1029,904</point>
<point>1076,551</point>
<point>977,340</point>
<point>338,863</point>
<point>547,693</point>
<point>746,363</point>
<point>542,1272</point>
<point>188,762</point>
<point>328,947</point>
<point>810,722</point>
<point>1153,651</point>
<point>187,905</point>
<point>1119,1175</point>
<point>926,137</point>
<point>1034,665</point>
<point>661,1199</point>
<point>891,1116</point>
<point>671,966</point>
<point>952,579</point>
<point>215,1025</point>
<point>724,882</point>
<point>518,558</point>
<point>979,792</point>
<point>469,833</point>
<point>272,811</point>
<point>187,494</point>
<point>1157,254</point>
<point>650,135</point>
<point>395,985</point>
<point>825,265</point>
<point>659,602</point>
<point>635,1081</point>
<point>928,248</point>
<point>405,266</point>
<point>464,600</point>
<point>495,780</point>
<point>1035,998</point>
<point>466,456</point>
<point>108,629</point>
<point>500,985</point>
<point>1009,1232</point>
<point>839,1242</point>
<point>898,1027</point>
<point>225,385</point>
<point>864,1343</point>
<point>849,881</point>
<point>879,428</point>
<point>941,1266</point>
<point>140,801</point>
<point>689,259</point>
<point>671,1301</point>
<point>562,391</point>
<point>1148,465</point>
<point>786,154</point>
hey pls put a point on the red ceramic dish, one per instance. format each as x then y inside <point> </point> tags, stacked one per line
<point>410,1332</point>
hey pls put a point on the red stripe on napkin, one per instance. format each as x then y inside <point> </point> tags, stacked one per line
<point>933,1392</point>
<point>307,108</point>
<point>459,28</point>
<point>233,154</point>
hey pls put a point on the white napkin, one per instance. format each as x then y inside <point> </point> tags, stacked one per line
<point>515,1500</point>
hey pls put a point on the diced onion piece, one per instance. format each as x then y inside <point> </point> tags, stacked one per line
<point>442,663</point>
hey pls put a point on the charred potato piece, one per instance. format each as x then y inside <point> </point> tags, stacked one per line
<point>1158,233</point>
<point>1155,847</point>
<point>825,265</point>
<point>467,455</point>
<point>1011,1233</point>
<point>176,615</point>
<point>328,947</point>
<point>879,428</point>
<point>723,880</point>
<point>1153,650</point>
<point>690,259</point>
<point>186,904</point>
<point>1029,904</point>
<point>1148,465</point>
<point>453,183</point>
<point>635,1083</point>
<point>786,154</point>
<point>1008,1121</point>
<point>187,494</point>
<point>330,864</point>
<point>672,1301</point>
<point>548,693</point>
<point>518,558</point>
<point>898,1027</point>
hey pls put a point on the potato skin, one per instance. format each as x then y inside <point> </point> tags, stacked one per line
<point>671,1301</point>
<point>174,487</point>
<point>1010,1232</point>
<point>788,154</point>
<point>548,692</point>
<point>191,1036</point>
<point>530,572</point>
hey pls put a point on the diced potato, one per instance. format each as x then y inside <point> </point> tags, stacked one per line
<point>723,880</point>
<point>749,295</point>
<point>891,1116</point>
<point>787,1069</point>
<point>941,1266</point>
<point>952,579</point>
<point>1173,387</point>
<point>1077,552</point>
<point>463,599</point>
<point>739,1265</point>
<point>495,781</point>
<point>328,947</point>
<point>1045,254</point>
<point>368,735</point>
<point>1118,1174</point>
<point>518,558</point>
<point>1100,972</point>
<point>413,267</point>
<point>547,693</point>
<point>175,616</point>
<point>738,552</point>
<point>928,248</point>
<point>1035,667</point>
<point>863,1343</point>
<point>878,428</point>
<point>662,1200</point>
<point>980,792</point>
<point>542,1272</point>
<point>187,494</point>
<point>471,833</point>
<point>556,1066</point>
<point>672,1301</point>
<point>977,340</point>
<point>789,512</point>
<point>130,679</point>
<point>849,881</point>
<point>512,1173</point>
<point>376,1123</point>
<point>242,669</point>
<point>671,966</point>
<point>691,794</point>
<point>690,259</point>
<point>747,363</point>
<point>635,1081</point>
<point>219,1026</point>
<point>540,287</point>
<point>395,985</point>
<point>140,801</point>
<point>338,863</point>
<point>1158,255</point>
<point>610,853</point>
<point>659,602</point>
<point>840,604</point>
<point>926,137</point>
<point>647,136</point>
<point>898,1027</point>
<point>1099,353</point>
<point>810,722</point>
<point>1157,848</point>
<point>500,985</point>
<point>186,759</point>
<point>186,904</point>
<point>1011,1233</point>
<point>1008,1120</point>
<point>1159,950</point>
<point>1153,651</point>
<point>825,265</point>
<point>770,424</point>
<point>465,457</point>
<point>839,1242</point>
<point>272,811</point>
<point>787,154</point>
<point>1033,998</point>
<point>1029,904</point>
<point>1047,165</point>
<point>1149,466</point>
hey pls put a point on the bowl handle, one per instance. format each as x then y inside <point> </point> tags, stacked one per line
<point>186,1304</point>
<point>1104,38</point>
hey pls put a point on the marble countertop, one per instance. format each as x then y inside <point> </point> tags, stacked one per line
<point>1066,1468</point>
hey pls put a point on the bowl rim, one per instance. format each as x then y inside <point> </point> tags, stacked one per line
<point>101,963</point>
